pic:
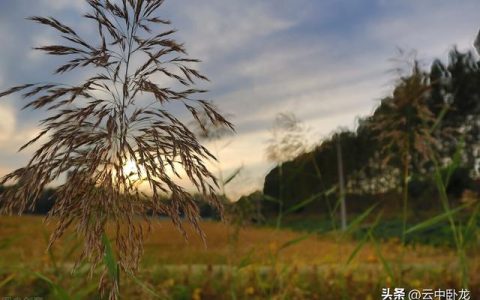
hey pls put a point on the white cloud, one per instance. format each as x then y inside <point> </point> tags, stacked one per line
<point>316,89</point>
<point>7,123</point>
<point>12,135</point>
<point>218,26</point>
<point>431,27</point>
<point>64,4</point>
<point>11,139</point>
<point>10,158</point>
<point>44,39</point>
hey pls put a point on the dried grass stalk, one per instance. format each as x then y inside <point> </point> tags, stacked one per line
<point>98,126</point>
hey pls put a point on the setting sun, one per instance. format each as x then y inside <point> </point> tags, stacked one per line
<point>134,172</point>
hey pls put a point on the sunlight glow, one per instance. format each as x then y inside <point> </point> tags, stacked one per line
<point>134,172</point>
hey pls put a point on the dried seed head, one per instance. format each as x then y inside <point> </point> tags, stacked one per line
<point>96,129</point>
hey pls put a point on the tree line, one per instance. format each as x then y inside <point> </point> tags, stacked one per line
<point>430,115</point>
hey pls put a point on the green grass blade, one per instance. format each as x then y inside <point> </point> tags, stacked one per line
<point>357,249</point>
<point>246,260</point>
<point>457,160</point>
<point>440,117</point>
<point>113,267</point>
<point>364,240</point>
<point>358,220</point>
<point>86,291</point>
<point>293,241</point>
<point>302,204</point>
<point>442,189</point>
<point>51,255</point>
<point>7,280</point>
<point>384,262</point>
<point>60,293</point>
<point>271,199</point>
<point>233,175</point>
<point>331,191</point>
<point>471,228</point>
<point>437,219</point>
<point>144,286</point>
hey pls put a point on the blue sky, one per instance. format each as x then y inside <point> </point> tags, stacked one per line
<point>327,61</point>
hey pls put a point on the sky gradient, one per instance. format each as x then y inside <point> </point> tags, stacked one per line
<point>326,61</point>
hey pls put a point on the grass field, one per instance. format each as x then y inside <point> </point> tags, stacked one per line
<point>260,263</point>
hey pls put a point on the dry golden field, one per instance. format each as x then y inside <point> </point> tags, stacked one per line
<point>259,263</point>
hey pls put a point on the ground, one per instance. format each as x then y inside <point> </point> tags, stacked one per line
<point>258,263</point>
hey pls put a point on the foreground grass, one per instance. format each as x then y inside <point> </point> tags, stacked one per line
<point>258,263</point>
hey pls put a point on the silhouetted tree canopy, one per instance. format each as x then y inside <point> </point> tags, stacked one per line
<point>453,88</point>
